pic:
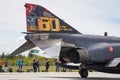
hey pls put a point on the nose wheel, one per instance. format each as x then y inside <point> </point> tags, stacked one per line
<point>83,73</point>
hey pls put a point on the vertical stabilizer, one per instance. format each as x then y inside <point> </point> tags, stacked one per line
<point>39,19</point>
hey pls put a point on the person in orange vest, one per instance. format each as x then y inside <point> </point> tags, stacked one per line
<point>1,64</point>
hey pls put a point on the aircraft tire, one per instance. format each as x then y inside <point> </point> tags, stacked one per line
<point>83,73</point>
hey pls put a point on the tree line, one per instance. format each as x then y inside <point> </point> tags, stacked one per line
<point>27,60</point>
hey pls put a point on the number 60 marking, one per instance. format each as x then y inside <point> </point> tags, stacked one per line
<point>48,24</point>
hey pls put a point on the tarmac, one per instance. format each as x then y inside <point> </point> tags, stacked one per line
<point>58,76</point>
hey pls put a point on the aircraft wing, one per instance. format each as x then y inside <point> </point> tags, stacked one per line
<point>26,46</point>
<point>44,44</point>
<point>51,50</point>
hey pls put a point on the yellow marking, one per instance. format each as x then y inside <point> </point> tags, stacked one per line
<point>44,24</point>
<point>55,25</point>
<point>48,24</point>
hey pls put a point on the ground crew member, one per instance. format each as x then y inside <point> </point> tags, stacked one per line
<point>1,64</point>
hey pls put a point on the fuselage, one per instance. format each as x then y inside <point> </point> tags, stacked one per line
<point>99,48</point>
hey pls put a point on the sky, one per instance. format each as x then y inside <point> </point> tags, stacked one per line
<point>87,16</point>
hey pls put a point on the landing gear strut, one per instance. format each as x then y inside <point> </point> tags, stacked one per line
<point>83,73</point>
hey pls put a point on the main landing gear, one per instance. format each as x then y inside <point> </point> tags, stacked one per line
<point>83,73</point>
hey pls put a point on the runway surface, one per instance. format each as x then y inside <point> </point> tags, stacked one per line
<point>58,76</point>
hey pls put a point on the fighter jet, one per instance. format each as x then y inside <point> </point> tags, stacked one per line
<point>84,52</point>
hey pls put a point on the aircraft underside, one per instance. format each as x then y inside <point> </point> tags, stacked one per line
<point>83,71</point>
<point>79,55</point>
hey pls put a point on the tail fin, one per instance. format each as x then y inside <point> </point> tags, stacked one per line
<point>40,20</point>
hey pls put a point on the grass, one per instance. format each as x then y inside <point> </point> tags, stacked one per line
<point>51,68</point>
